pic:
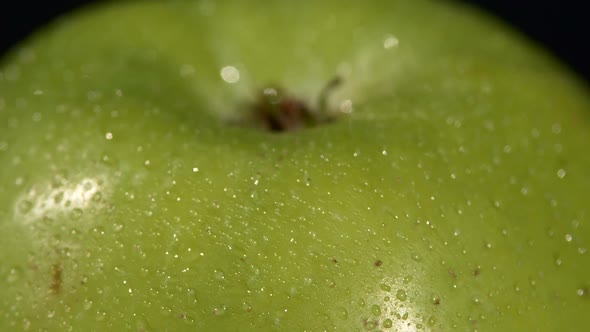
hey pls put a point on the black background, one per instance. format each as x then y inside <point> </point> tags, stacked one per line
<point>560,26</point>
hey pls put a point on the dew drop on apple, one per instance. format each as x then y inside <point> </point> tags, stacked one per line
<point>100,315</point>
<point>220,310</point>
<point>376,310</point>
<point>390,42</point>
<point>219,275</point>
<point>361,303</point>
<point>87,305</point>
<point>230,74</point>
<point>407,279</point>
<point>388,323</point>
<point>97,197</point>
<point>342,313</point>
<point>98,231</point>
<point>76,214</point>
<point>557,260</point>
<point>246,307</point>
<point>142,325</point>
<point>14,274</point>
<point>26,324</point>
<point>401,295</point>
<point>25,206</point>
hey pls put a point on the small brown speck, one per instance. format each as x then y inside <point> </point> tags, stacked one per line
<point>182,316</point>
<point>334,260</point>
<point>436,301</point>
<point>476,272</point>
<point>378,263</point>
<point>56,278</point>
<point>452,274</point>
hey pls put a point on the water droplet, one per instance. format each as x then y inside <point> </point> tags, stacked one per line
<point>390,42</point>
<point>376,310</point>
<point>407,279</point>
<point>219,275</point>
<point>361,303</point>
<point>416,257</point>
<point>100,315</point>
<point>98,231</point>
<point>220,310</point>
<point>13,275</point>
<point>401,295</point>
<point>230,74</point>
<point>346,106</point>
<point>187,70</point>
<point>561,173</point>
<point>388,323</point>
<point>330,283</point>
<point>142,325</point>
<point>97,197</point>
<point>246,307</point>
<point>557,261</point>
<point>25,206</point>
<point>370,325</point>
<point>385,287</point>
<point>87,304</point>
<point>76,213</point>
<point>435,299</point>
<point>580,292</point>
<point>342,313</point>
<point>568,238</point>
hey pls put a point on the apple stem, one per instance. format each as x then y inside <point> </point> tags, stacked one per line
<point>325,93</point>
<point>277,111</point>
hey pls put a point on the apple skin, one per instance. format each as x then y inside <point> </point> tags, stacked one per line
<point>454,196</point>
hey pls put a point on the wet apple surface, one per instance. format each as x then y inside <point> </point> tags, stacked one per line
<point>451,193</point>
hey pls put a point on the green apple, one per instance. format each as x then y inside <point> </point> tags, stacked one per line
<point>443,184</point>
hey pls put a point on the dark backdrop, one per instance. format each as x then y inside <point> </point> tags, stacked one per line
<point>560,26</point>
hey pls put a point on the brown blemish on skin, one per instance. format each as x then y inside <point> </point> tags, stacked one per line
<point>378,263</point>
<point>334,260</point>
<point>436,301</point>
<point>476,272</point>
<point>56,278</point>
